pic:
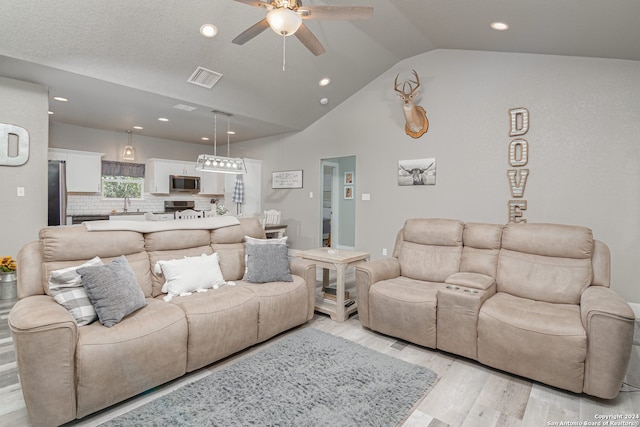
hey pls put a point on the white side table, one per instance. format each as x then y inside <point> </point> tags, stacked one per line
<point>338,260</point>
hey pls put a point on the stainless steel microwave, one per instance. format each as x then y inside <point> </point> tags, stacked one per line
<point>184,184</point>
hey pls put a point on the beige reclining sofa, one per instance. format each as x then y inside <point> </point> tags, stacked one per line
<point>69,371</point>
<point>529,299</point>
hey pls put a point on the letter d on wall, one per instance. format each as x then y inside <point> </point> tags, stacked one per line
<point>14,145</point>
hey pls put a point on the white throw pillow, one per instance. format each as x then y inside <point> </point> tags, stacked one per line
<point>190,274</point>
<point>65,286</point>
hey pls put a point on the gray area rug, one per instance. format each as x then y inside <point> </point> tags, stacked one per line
<point>309,378</point>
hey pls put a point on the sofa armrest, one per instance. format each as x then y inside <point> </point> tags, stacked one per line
<point>307,270</point>
<point>608,321</point>
<point>45,337</point>
<point>369,273</point>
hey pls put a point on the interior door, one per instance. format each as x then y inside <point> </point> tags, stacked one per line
<point>330,206</point>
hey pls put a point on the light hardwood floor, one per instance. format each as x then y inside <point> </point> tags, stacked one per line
<point>466,393</point>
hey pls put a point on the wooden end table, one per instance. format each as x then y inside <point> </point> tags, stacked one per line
<point>338,260</point>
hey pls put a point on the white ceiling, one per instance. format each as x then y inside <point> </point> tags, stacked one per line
<point>123,63</point>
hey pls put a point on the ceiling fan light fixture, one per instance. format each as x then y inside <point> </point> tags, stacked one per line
<point>283,21</point>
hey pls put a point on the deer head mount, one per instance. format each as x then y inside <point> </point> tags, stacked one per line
<point>416,118</point>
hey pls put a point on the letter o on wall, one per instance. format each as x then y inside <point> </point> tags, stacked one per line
<point>518,152</point>
<point>14,145</point>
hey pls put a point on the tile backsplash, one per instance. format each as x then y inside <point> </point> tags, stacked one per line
<point>90,204</point>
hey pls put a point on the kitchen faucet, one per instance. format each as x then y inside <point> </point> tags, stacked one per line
<point>126,200</point>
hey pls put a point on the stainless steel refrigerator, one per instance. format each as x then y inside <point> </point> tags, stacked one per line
<point>57,192</point>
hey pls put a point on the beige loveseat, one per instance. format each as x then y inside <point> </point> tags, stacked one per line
<point>530,299</point>
<point>67,371</point>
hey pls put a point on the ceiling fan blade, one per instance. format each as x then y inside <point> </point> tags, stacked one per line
<point>335,12</point>
<point>309,40</point>
<point>257,3</point>
<point>251,32</point>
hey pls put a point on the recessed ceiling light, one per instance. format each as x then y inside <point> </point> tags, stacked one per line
<point>162,119</point>
<point>324,81</point>
<point>499,26</point>
<point>208,30</point>
<point>204,138</point>
<point>61,99</point>
<point>231,132</point>
<point>324,101</point>
<point>138,127</point>
<point>51,113</point>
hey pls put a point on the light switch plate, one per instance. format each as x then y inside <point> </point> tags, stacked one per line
<point>20,191</point>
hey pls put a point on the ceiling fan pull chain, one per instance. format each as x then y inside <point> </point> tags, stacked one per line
<point>284,51</point>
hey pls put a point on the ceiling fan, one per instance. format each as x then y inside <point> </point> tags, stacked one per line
<point>285,18</point>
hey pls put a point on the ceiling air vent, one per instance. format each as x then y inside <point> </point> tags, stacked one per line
<point>205,78</point>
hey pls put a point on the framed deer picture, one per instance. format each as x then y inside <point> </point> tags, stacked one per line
<point>417,172</point>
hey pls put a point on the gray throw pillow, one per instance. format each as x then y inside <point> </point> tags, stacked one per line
<point>267,263</point>
<point>113,290</point>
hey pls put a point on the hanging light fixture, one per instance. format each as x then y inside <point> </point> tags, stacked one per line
<point>284,21</point>
<point>220,164</point>
<point>129,153</point>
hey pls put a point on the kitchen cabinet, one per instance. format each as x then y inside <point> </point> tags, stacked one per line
<point>211,183</point>
<point>157,172</point>
<point>84,169</point>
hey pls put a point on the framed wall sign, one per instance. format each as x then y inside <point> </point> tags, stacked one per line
<point>286,179</point>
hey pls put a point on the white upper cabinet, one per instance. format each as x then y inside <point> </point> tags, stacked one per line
<point>84,169</point>
<point>157,172</point>
<point>211,183</point>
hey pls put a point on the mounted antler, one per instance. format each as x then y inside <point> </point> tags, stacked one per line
<point>415,116</point>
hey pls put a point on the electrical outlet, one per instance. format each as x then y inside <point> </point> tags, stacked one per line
<point>384,251</point>
<point>311,194</point>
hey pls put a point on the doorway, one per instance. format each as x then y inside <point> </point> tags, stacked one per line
<point>337,225</point>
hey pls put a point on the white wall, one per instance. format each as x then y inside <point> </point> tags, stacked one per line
<point>583,142</point>
<point>26,105</point>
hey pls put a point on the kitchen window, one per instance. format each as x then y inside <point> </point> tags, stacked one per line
<point>120,180</point>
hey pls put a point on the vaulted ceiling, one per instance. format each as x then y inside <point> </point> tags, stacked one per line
<point>124,63</point>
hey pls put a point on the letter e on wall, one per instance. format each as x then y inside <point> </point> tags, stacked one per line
<point>14,145</point>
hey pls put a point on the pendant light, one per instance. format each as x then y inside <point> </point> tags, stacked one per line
<point>129,153</point>
<point>220,164</point>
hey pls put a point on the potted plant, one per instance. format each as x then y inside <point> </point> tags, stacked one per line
<point>8,278</point>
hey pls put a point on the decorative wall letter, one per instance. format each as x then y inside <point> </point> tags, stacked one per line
<point>518,152</point>
<point>521,126</point>
<point>14,145</point>
<point>515,210</point>
<point>518,157</point>
<point>517,181</point>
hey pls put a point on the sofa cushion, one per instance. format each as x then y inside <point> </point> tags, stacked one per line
<point>221,322</point>
<point>545,262</point>
<point>283,305</point>
<point>430,249</point>
<point>113,290</point>
<point>113,364</point>
<point>65,286</point>
<point>513,330</point>
<point>481,248</point>
<point>405,308</point>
